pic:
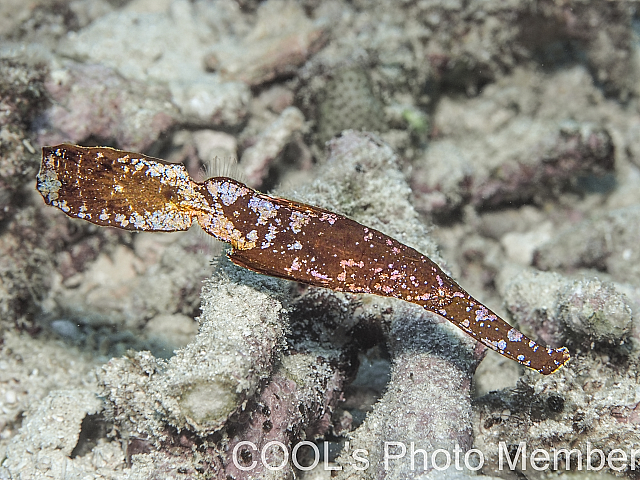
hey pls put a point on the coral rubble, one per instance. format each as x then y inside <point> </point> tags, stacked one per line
<point>499,139</point>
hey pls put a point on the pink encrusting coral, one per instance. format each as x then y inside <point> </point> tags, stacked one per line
<point>539,158</point>
<point>94,101</point>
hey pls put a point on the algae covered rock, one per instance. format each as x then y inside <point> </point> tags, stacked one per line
<point>348,102</point>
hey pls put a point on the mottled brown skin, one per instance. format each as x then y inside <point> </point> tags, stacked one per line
<point>272,236</point>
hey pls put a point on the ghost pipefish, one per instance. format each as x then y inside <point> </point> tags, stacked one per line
<point>272,236</point>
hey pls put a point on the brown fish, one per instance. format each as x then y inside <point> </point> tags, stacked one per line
<point>272,236</point>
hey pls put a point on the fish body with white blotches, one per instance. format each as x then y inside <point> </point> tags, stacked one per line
<point>272,236</point>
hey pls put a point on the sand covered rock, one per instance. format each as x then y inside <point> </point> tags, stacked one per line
<point>22,96</point>
<point>281,39</point>
<point>556,308</point>
<point>167,48</point>
<point>607,242</point>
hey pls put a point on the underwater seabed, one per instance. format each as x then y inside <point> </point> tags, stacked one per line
<point>500,140</point>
